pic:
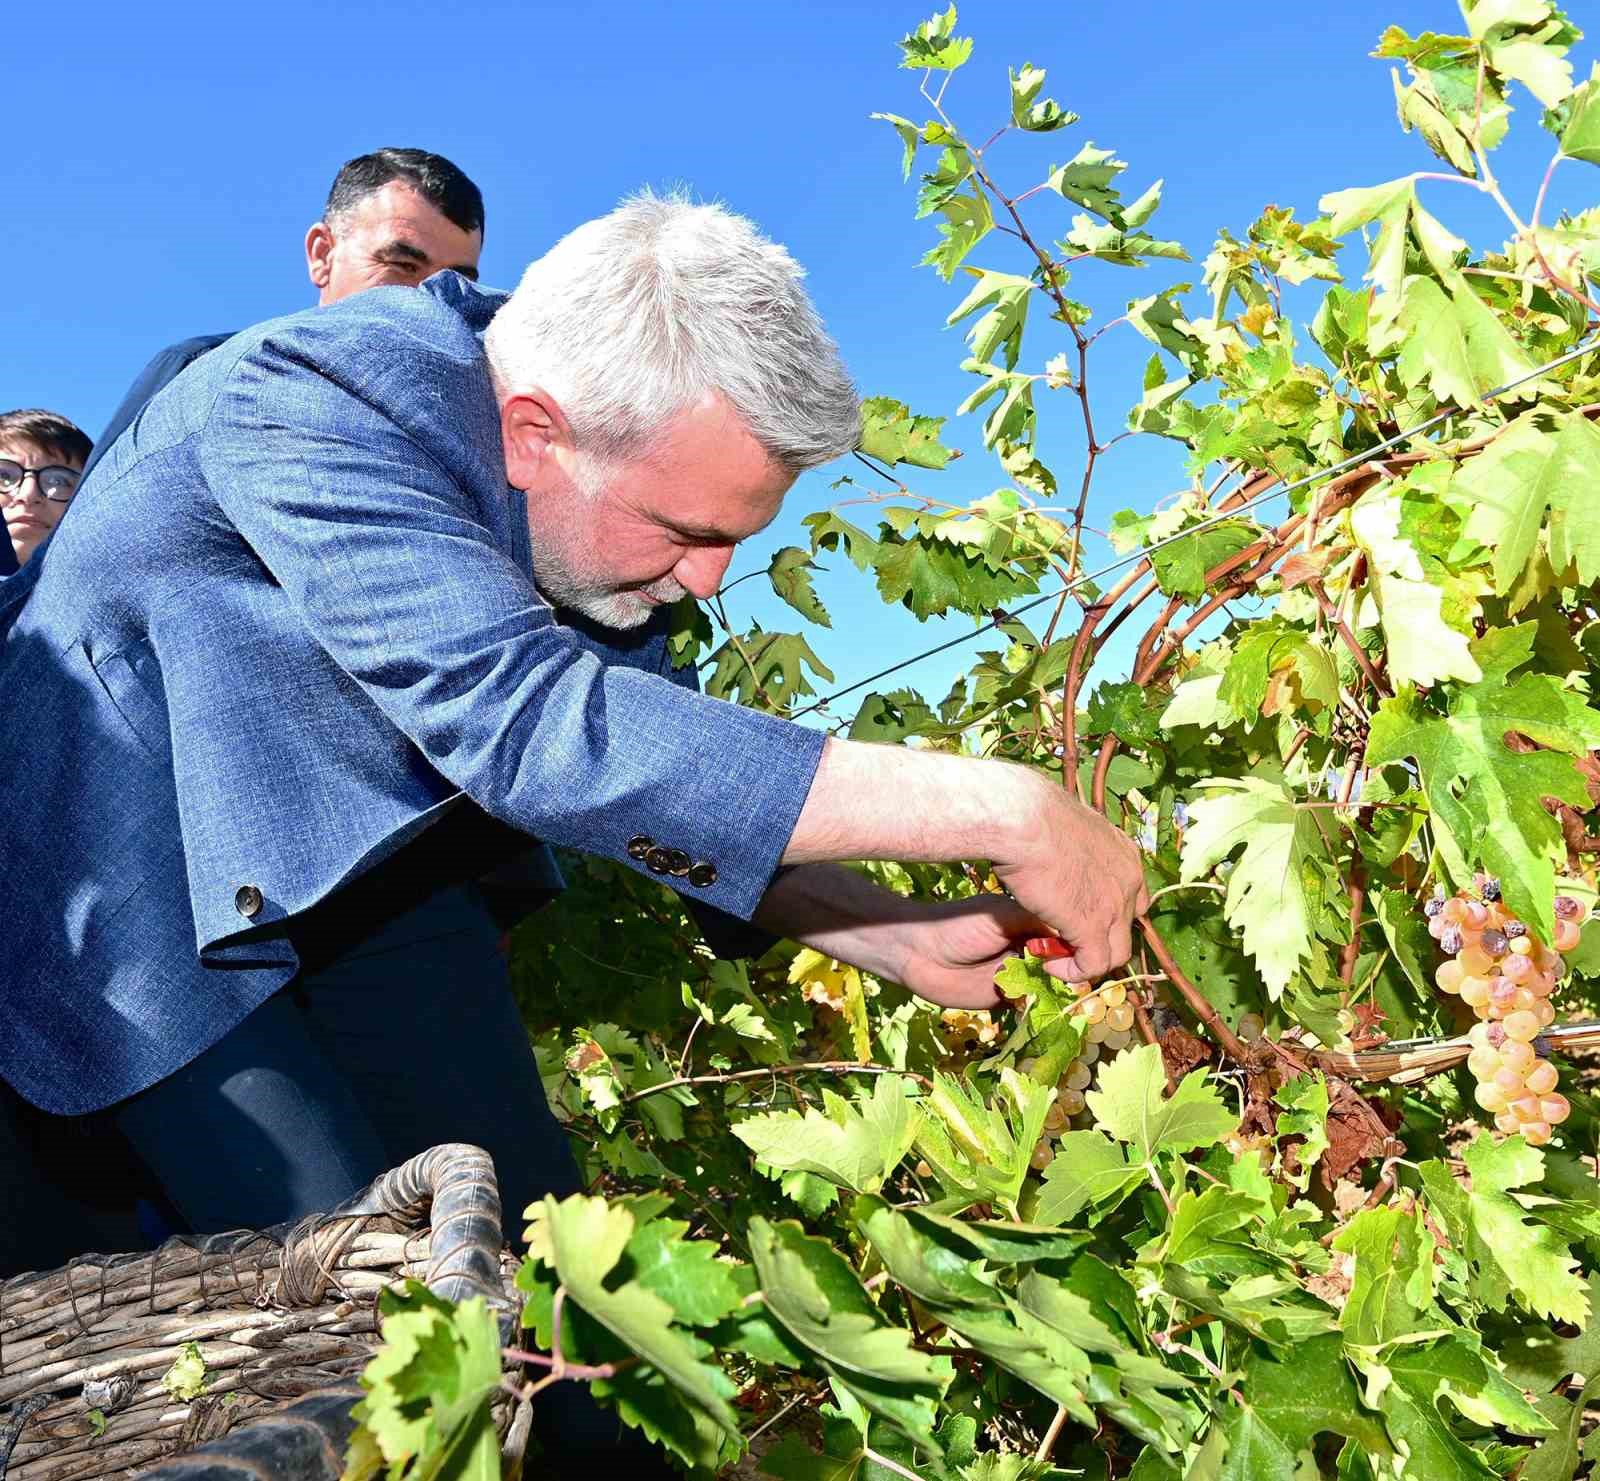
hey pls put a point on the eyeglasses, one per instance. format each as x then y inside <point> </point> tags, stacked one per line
<point>56,483</point>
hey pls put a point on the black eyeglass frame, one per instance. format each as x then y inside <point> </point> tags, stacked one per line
<point>14,490</point>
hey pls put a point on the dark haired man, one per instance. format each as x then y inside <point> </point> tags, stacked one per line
<point>42,456</point>
<point>393,217</point>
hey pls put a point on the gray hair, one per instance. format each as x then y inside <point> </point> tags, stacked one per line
<point>633,317</point>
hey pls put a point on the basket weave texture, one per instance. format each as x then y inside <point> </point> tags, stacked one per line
<point>276,1314</point>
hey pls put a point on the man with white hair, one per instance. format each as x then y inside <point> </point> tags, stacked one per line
<point>379,593</point>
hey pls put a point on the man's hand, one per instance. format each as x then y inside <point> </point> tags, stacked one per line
<point>1083,876</point>
<point>952,951</point>
<point>1078,877</point>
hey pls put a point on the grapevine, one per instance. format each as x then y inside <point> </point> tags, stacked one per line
<point>1308,1187</point>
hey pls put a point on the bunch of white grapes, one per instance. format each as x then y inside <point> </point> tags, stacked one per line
<point>968,1031</point>
<point>1504,973</point>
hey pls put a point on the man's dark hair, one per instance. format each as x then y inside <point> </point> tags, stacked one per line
<point>47,430</point>
<point>432,176</point>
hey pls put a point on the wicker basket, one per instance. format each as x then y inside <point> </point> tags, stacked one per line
<point>277,1315</point>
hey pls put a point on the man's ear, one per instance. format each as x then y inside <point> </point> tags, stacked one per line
<point>537,440</point>
<point>319,255</point>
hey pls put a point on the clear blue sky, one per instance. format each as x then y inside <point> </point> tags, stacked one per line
<point>163,161</point>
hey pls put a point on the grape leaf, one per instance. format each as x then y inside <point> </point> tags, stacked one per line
<point>1088,1169</point>
<point>980,1151</point>
<point>1028,111</point>
<point>583,1239</point>
<point>1304,1103</point>
<point>790,573</point>
<point>1413,1379</point>
<point>1535,1261</point>
<point>1580,138</point>
<point>1201,1222</point>
<point>686,1273</point>
<point>1286,1405</point>
<point>1485,799</point>
<point>854,1144</point>
<point>1269,898</point>
<point>428,1386</point>
<point>811,1290</point>
<point>891,434</point>
<point>764,664</point>
<point>1538,463</point>
<point>1130,1104</point>
<point>1086,178</point>
<point>1454,343</point>
<point>933,45</point>
<point>1391,1293</point>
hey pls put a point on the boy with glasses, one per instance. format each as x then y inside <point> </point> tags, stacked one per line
<point>42,456</point>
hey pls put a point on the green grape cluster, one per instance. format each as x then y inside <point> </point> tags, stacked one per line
<point>1507,976</point>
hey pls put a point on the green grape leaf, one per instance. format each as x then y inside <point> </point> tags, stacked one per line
<point>1272,649</point>
<point>1580,138</point>
<point>1539,463</point>
<point>910,137</point>
<point>831,532</point>
<point>1412,1380</point>
<point>931,576</point>
<point>686,1273</point>
<point>429,1384</point>
<point>1006,297</point>
<point>1029,111</point>
<point>1533,1258</point>
<point>811,1290</point>
<point>1286,1405</point>
<point>790,574</point>
<point>980,1150</point>
<point>1422,648</point>
<point>763,664</point>
<point>1130,1104</point>
<point>1391,1293</point>
<point>1486,799</point>
<point>892,434</point>
<point>1201,1223</point>
<point>854,1144</point>
<point>1181,566</point>
<point>1454,344</point>
<point>1304,1112</point>
<point>1537,1358</point>
<point>1086,178</point>
<point>186,1379</point>
<point>583,1239</point>
<point>1089,1169</point>
<point>1272,893</point>
<point>933,44</point>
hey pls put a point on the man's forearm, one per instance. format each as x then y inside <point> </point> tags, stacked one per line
<point>889,802</point>
<point>837,911</point>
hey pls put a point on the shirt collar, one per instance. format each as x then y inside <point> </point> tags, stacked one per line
<point>475,303</point>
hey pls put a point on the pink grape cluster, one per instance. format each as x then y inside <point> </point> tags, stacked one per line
<point>1506,976</point>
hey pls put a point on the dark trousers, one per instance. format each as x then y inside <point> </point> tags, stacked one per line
<point>407,1038</point>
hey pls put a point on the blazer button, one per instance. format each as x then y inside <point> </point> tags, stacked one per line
<point>658,860</point>
<point>248,901</point>
<point>640,845</point>
<point>677,862</point>
<point>704,875</point>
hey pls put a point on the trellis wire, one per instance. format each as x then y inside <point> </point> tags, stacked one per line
<point>1355,460</point>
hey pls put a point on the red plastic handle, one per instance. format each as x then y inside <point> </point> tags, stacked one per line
<point>1048,947</point>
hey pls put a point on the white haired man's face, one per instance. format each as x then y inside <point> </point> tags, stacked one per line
<point>615,541</point>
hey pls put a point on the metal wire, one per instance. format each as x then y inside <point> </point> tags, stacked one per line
<point>1353,461</point>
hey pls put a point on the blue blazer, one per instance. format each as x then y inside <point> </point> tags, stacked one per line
<point>290,623</point>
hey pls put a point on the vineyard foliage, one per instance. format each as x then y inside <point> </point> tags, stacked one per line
<point>1209,1244</point>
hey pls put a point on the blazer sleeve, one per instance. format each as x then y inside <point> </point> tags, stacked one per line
<point>386,559</point>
